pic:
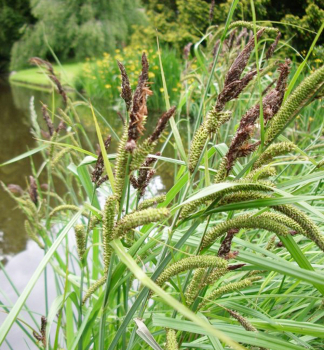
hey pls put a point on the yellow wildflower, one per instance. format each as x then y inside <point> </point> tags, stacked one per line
<point>107,86</point>
<point>161,89</point>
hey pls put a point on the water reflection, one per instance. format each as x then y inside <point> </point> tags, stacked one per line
<point>15,139</point>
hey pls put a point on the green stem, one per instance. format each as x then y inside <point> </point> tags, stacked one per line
<point>104,306</point>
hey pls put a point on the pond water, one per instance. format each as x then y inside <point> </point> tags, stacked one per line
<point>16,139</point>
<point>19,255</point>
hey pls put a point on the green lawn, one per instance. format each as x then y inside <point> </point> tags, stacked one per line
<point>35,77</point>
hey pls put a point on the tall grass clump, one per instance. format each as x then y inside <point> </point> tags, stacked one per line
<point>230,256</point>
<point>100,78</point>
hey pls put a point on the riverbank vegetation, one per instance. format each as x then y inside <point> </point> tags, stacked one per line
<point>231,255</point>
<point>75,30</point>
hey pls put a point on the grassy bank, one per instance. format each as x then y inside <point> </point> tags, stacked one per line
<point>35,77</point>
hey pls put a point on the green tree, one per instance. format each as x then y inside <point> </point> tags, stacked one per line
<point>76,29</point>
<point>13,16</point>
<point>312,19</point>
<point>181,21</point>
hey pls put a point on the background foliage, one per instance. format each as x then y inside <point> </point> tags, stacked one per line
<point>14,15</point>
<point>79,28</point>
<point>76,29</point>
<point>181,21</point>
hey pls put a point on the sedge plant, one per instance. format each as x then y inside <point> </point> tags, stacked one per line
<point>230,256</point>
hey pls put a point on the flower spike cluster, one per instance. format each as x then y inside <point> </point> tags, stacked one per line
<point>270,105</point>
<point>233,86</point>
<point>126,93</point>
<point>192,262</point>
<point>137,107</point>
<point>302,96</point>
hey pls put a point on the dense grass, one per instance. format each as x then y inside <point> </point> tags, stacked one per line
<point>282,309</point>
<point>100,78</point>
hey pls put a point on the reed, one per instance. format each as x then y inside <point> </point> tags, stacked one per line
<point>200,264</point>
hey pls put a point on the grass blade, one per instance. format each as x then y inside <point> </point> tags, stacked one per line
<point>145,280</point>
<point>8,322</point>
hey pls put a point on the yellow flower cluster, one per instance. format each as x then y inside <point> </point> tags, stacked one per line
<point>102,76</point>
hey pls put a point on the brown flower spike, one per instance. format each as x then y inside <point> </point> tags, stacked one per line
<point>33,190</point>
<point>126,93</point>
<point>99,167</point>
<point>271,104</point>
<point>139,108</point>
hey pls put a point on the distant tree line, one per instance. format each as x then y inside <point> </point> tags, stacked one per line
<point>182,21</point>
<point>76,29</point>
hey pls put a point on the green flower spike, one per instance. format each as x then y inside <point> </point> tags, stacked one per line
<point>107,228</point>
<point>242,196</point>
<point>215,275</point>
<point>285,220</point>
<point>222,171</point>
<point>245,221</point>
<point>107,235</point>
<point>257,186</point>
<point>140,153</point>
<point>229,288</point>
<point>193,262</point>
<point>59,156</point>
<point>261,173</point>
<point>214,121</point>
<point>147,203</point>
<point>194,286</point>
<point>80,237</point>
<point>249,25</point>
<point>138,218</point>
<point>272,151</point>
<point>197,145</point>
<point>121,164</point>
<point>294,103</point>
<point>310,230</point>
<point>171,343</point>
<point>93,288</point>
<point>32,235</point>
<point>66,207</point>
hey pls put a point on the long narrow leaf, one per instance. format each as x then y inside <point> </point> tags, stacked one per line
<point>7,324</point>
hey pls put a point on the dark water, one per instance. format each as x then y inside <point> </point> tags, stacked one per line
<point>16,139</point>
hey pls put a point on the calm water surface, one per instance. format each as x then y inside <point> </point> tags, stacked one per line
<point>19,255</point>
